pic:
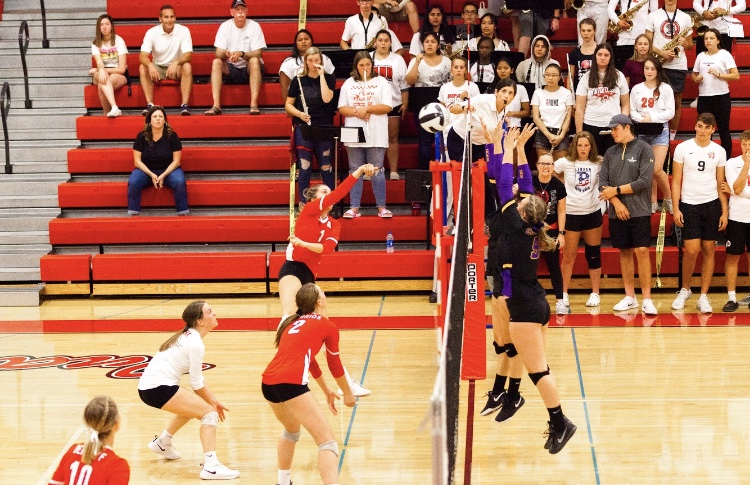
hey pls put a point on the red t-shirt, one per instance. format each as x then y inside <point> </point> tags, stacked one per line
<point>299,344</point>
<point>106,469</point>
<point>311,228</point>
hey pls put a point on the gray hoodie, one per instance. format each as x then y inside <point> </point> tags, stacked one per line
<point>630,163</point>
<point>532,71</point>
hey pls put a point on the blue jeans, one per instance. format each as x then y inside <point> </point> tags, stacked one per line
<point>305,149</point>
<point>359,156</point>
<point>139,180</point>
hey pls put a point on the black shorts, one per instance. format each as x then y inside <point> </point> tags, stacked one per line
<point>522,310</point>
<point>236,75</point>
<point>541,141</point>
<point>633,233</point>
<point>297,269</point>
<point>738,237</point>
<point>277,393</point>
<point>578,223</point>
<point>701,220</point>
<point>158,396</point>
<point>396,112</point>
<point>676,79</point>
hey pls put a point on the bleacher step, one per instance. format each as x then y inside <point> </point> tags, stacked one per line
<point>20,119</point>
<point>24,237</point>
<point>20,295</point>
<point>31,150</point>
<point>25,184</point>
<point>27,259</point>
<point>40,166</point>
<point>50,134</point>
<point>20,201</point>
<point>27,219</point>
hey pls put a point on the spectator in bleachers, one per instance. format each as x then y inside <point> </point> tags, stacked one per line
<point>662,27</point>
<point>738,227</point>
<point>538,18</point>
<point>532,69</point>
<point>652,101</point>
<point>482,70</point>
<point>488,26</point>
<point>157,152</point>
<point>392,68</point>
<point>310,101</point>
<point>583,215</point>
<point>458,89</point>
<point>551,109</point>
<point>633,68</point>
<point>399,11</point>
<point>630,32</point>
<point>427,69</point>
<point>365,102</point>
<point>713,70</point>
<point>700,207</point>
<point>435,22</point>
<point>581,59</point>
<point>110,55</point>
<point>239,49</point>
<point>719,15</point>
<point>470,16</point>
<point>602,93</point>
<point>172,48</point>
<point>357,32</point>
<point>520,106</point>
<point>627,187</point>
<point>292,65</point>
<point>595,10</point>
<point>396,46</point>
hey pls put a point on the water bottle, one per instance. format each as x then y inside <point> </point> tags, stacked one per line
<point>389,243</point>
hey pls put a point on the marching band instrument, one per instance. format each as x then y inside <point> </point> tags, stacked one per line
<point>674,44</point>
<point>578,4</point>
<point>627,17</point>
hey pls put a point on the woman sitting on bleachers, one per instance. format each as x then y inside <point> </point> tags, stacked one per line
<point>110,55</point>
<point>482,71</point>
<point>435,22</point>
<point>157,151</point>
<point>488,24</point>
<point>303,40</point>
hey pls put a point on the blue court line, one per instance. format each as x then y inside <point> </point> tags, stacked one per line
<point>380,310</point>
<point>354,410</point>
<point>585,407</point>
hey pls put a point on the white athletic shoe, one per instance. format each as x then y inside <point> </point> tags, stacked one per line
<point>654,207</point>
<point>218,472</point>
<point>593,300</point>
<point>682,296</point>
<point>704,305</point>
<point>357,389</point>
<point>648,307</point>
<point>114,112</point>
<point>560,308</point>
<point>627,303</point>
<point>167,451</point>
<point>566,300</point>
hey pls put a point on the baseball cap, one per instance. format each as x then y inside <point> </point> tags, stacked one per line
<point>238,3</point>
<point>620,119</point>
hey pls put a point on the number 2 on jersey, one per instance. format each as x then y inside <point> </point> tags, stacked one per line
<point>295,326</point>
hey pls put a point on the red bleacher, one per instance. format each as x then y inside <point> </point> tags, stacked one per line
<point>179,267</point>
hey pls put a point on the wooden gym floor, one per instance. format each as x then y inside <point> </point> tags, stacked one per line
<point>662,400</point>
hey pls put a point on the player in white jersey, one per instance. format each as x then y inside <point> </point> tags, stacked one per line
<point>700,208</point>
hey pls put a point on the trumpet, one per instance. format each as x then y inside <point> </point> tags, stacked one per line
<point>674,44</point>
<point>627,17</point>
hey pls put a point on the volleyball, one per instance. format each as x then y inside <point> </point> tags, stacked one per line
<point>433,116</point>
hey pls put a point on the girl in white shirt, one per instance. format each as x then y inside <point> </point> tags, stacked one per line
<point>488,26</point>
<point>483,71</point>
<point>580,172</point>
<point>551,109</point>
<point>110,55</point>
<point>365,101</point>
<point>457,90</point>
<point>159,388</point>
<point>652,101</point>
<point>292,65</point>
<point>712,72</point>
<point>393,68</point>
<point>435,22</point>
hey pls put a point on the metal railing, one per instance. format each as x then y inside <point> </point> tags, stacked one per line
<point>23,44</point>
<point>4,110</point>
<point>45,40</point>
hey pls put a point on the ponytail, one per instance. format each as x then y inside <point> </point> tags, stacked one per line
<point>101,416</point>
<point>192,313</point>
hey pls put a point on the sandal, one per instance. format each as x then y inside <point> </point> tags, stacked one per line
<point>213,111</point>
<point>254,110</point>
<point>351,214</point>
<point>385,214</point>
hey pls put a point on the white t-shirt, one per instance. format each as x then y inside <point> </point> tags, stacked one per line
<point>500,45</point>
<point>601,103</point>
<point>431,76</point>
<point>482,73</point>
<point>358,31</point>
<point>581,185</point>
<point>712,85</point>
<point>739,204</point>
<point>659,23</point>
<point>355,94</point>
<point>167,47</point>
<point>553,106</point>
<point>110,53</point>
<point>168,367</point>
<point>415,47</point>
<point>450,94</point>
<point>721,23</point>
<point>643,102</point>
<point>522,96</point>
<point>699,166</point>
<point>484,108</point>
<point>292,66</point>
<point>393,69</point>
<point>247,39</point>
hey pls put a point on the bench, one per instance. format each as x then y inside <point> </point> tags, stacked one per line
<point>66,274</point>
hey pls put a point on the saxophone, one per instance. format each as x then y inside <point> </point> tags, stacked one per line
<point>673,45</point>
<point>628,17</point>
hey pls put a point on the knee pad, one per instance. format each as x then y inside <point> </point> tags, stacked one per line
<point>294,437</point>
<point>510,349</point>
<point>330,446</point>
<point>304,164</point>
<point>537,376</point>
<point>593,256</point>
<point>211,419</point>
<point>499,349</point>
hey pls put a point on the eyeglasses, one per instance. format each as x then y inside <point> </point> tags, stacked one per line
<point>544,164</point>
<point>551,75</point>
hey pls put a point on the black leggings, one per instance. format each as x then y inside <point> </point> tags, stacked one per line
<point>719,106</point>
<point>552,258</point>
<point>603,142</point>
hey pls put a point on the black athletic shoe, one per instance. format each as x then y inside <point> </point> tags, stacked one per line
<point>557,439</point>
<point>494,402</point>
<point>433,297</point>
<point>730,306</point>
<point>509,408</point>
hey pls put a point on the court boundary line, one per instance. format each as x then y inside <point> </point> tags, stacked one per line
<point>585,408</point>
<point>44,480</point>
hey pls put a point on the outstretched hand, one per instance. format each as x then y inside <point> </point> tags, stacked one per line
<point>511,138</point>
<point>528,132</point>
